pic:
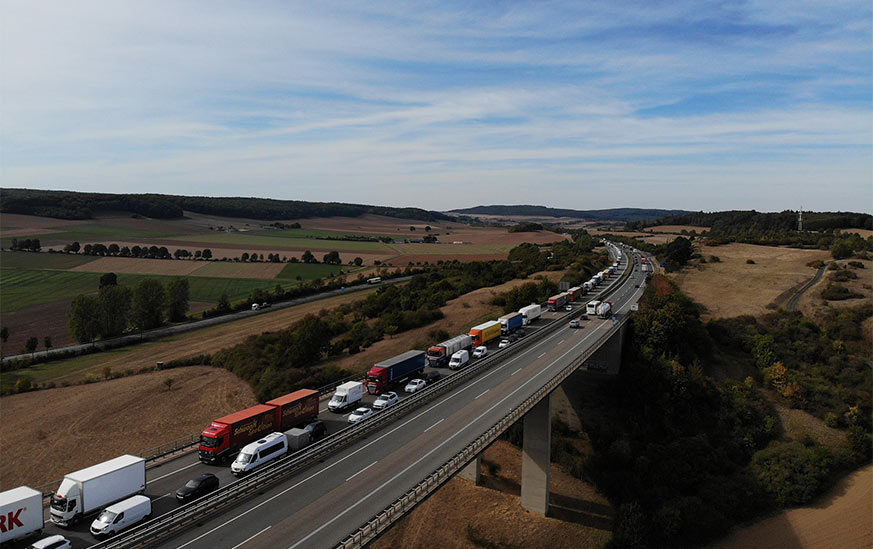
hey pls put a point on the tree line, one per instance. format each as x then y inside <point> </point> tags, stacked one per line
<point>118,309</point>
<point>729,222</point>
<point>684,457</point>
<point>76,205</point>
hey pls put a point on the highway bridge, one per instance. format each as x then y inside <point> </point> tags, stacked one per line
<point>350,487</point>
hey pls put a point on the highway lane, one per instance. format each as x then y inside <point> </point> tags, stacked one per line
<point>165,479</point>
<point>318,507</point>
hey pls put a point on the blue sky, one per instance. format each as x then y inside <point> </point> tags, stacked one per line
<point>440,105</point>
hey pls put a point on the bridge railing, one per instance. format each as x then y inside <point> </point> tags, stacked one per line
<point>199,510</point>
<point>405,503</point>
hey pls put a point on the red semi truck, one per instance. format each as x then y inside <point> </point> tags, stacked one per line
<point>226,435</point>
<point>395,369</point>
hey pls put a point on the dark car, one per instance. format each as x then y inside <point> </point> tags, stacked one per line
<point>430,377</point>
<point>196,487</point>
<point>513,338</point>
<point>316,430</point>
<point>520,332</point>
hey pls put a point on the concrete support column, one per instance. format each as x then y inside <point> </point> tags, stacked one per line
<point>473,471</point>
<point>536,457</point>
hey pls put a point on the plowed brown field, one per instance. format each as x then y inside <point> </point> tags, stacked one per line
<point>62,430</point>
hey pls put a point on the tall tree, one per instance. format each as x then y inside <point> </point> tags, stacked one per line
<point>108,279</point>
<point>332,258</point>
<point>84,318</point>
<point>115,302</point>
<point>31,344</point>
<point>176,300</point>
<point>4,334</point>
<point>307,257</point>
<point>148,304</point>
<point>207,253</point>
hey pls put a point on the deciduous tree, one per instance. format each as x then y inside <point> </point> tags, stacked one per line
<point>84,318</point>
<point>148,304</point>
<point>177,299</point>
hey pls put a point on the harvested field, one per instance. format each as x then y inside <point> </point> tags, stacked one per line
<point>18,221</point>
<point>841,519</point>
<point>652,238</point>
<point>207,340</point>
<point>367,224</point>
<point>404,260</point>
<point>732,287</point>
<point>865,233</point>
<point>46,319</point>
<point>134,265</point>
<point>676,229</point>
<point>492,512</point>
<point>225,269</point>
<point>134,413</point>
<point>460,314</point>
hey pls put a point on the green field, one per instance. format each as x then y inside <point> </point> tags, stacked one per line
<point>22,288</point>
<point>31,260</point>
<point>279,239</point>
<point>308,272</point>
<point>88,234</point>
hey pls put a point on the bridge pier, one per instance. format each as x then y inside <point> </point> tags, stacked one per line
<point>473,471</point>
<point>536,457</point>
<point>607,359</point>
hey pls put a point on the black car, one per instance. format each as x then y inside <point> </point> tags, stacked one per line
<point>520,332</point>
<point>316,430</point>
<point>431,376</point>
<point>196,487</point>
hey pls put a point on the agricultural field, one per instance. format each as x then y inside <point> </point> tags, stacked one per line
<point>732,286</point>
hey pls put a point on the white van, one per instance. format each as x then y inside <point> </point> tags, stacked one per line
<point>257,453</point>
<point>346,395</point>
<point>459,359</point>
<point>121,515</point>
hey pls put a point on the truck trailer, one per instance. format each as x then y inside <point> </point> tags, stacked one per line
<point>393,370</point>
<point>485,332</point>
<point>604,310</point>
<point>226,435</point>
<point>558,301</point>
<point>510,322</point>
<point>294,409</point>
<point>438,355</point>
<point>20,513</point>
<point>530,313</point>
<point>90,490</point>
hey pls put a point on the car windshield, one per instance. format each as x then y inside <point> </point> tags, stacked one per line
<point>210,442</point>
<point>361,411</point>
<point>338,398</point>
<point>107,516</point>
<point>193,483</point>
<point>244,458</point>
<point>59,503</point>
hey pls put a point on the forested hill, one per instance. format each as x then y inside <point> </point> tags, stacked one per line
<point>75,205</point>
<point>739,220</point>
<point>614,214</point>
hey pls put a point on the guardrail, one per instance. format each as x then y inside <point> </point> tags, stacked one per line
<point>405,503</point>
<point>171,523</point>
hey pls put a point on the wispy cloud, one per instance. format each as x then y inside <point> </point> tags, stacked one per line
<point>677,104</point>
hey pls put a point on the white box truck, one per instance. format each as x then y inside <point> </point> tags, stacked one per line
<point>530,313</point>
<point>20,513</point>
<point>92,489</point>
<point>346,395</point>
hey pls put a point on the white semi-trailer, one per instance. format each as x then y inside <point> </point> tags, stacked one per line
<point>530,313</point>
<point>604,310</point>
<point>90,490</point>
<point>20,513</point>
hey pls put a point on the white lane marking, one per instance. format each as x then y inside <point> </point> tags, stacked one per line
<point>560,342</point>
<point>162,497</point>
<point>389,433</point>
<point>176,471</point>
<point>541,356</point>
<point>251,538</point>
<point>434,425</point>
<point>482,393</point>
<point>425,456</point>
<point>515,372</point>
<point>364,469</point>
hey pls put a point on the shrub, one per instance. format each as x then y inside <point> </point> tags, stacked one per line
<point>714,259</point>
<point>750,261</point>
<point>856,264</point>
<point>838,292</point>
<point>792,473</point>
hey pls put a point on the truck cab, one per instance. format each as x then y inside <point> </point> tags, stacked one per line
<point>436,356</point>
<point>214,443</point>
<point>66,504</point>
<point>377,380</point>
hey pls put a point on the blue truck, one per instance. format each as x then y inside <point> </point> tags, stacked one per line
<point>393,370</point>
<point>511,322</point>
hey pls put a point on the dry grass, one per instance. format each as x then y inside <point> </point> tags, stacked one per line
<point>812,304</point>
<point>732,287</point>
<point>495,511</point>
<point>460,314</point>
<point>841,519</point>
<point>864,233</point>
<point>106,419</point>
<point>676,229</point>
